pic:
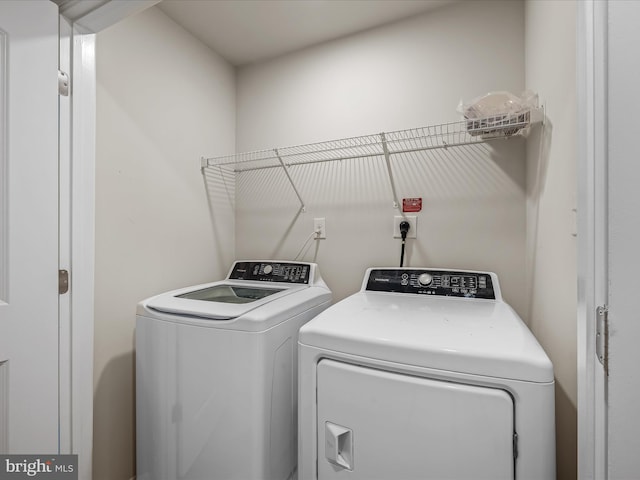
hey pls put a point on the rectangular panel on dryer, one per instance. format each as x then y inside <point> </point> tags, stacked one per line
<point>444,283</point>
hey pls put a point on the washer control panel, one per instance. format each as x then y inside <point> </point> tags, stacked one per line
<point>444,283</point>
<point>271,272</point>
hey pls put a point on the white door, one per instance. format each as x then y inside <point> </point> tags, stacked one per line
<point>623,388</point>
<point>28,227</point>
<point>374,424</point>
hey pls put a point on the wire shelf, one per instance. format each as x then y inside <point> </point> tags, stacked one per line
<point>387,145</point>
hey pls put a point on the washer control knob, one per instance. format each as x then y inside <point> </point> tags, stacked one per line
<point>425,279</point>
<point>267,269</point>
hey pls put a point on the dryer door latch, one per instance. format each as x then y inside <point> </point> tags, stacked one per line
<point>339,445</point>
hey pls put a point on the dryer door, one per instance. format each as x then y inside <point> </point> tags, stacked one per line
<point>374,424</point>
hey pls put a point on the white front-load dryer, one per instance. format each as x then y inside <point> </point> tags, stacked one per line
<point>216,374</point>
<point>424,374</point>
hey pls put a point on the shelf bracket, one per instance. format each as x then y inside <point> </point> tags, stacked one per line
<point>293,185</point>
<point>387,159</point>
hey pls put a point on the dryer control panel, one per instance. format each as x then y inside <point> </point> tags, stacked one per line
<point>287,272</point>
<point>444,283</point>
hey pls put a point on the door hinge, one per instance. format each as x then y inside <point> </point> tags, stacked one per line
<point>515,445</point>
<point>602,336</point>
<point>63,83</point>
<point>63,282</point>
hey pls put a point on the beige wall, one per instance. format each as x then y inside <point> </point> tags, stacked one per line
<point>163,100</point>
<point>551,198</point>
<point>408,74</point>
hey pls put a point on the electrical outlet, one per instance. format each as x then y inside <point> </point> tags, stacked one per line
<point>413,229</point>
<point>319,226</point>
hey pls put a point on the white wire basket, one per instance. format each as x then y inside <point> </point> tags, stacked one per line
<point>498,126</point>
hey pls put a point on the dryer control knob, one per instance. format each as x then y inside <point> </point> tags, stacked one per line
<point>425,279</point>
<point>267,269</point>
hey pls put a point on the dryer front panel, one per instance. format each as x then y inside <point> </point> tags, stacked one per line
<point>373,424</point>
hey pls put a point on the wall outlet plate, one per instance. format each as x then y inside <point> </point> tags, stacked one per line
<point>319,226</point>
<point>413,229</point>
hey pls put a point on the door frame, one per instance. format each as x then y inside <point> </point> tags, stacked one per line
<point>65,416</point>
<point>81,248</point>
<point>592,235</point>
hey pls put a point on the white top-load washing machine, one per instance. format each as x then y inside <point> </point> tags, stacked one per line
<point>424,374</point>
<point>216,374</point>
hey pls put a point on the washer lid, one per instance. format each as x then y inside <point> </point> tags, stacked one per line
<point>230,293</point>
<point>465,335</point>
<point>221,300</point>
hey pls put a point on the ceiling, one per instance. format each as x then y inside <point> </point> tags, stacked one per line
<point>247,31</point>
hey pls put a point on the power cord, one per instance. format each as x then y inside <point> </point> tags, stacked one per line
<point>404,229</point>
<point>316,233</point>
